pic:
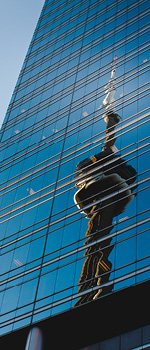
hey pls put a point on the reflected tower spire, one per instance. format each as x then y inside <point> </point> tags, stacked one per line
<point>109,100</point>
<point>111,117</point>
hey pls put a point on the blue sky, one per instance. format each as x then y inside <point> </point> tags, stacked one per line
<point>18,19</point>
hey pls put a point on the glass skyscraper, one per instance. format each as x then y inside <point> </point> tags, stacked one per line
<point>49,261</point>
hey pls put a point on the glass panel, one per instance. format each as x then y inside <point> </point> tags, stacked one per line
<point>74,161</point>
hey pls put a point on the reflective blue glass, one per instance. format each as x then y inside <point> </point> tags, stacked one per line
<point>60,247</point>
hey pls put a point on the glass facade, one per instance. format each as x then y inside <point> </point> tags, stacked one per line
<point>54,121</point>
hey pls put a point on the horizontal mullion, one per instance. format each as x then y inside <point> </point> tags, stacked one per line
<point>109,7</point>
<point>130,54</point>
<point>67,215</point>
<point>72,18</point>
<point>75,251</point>
<point>71,297</point>
<point>86,48</point>
<point>88,97</point>
<point>118,44</point>
<point>73,29</point>
<point>74,296</point>
<point>43,88</point>
<point>130,123</point>
<point>71,251</point>
<point>38,229</point>
<point>72,153</point>
<point>101,25</point>
<point>81,83</point>
<point>75,17</point>
<point>71,72</point>
<point>125,77</point>
<point>49,120</point>
<point>32,149</point>
<point>120,62</point>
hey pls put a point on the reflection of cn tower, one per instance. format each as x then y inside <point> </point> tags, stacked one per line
<point>103,193</point>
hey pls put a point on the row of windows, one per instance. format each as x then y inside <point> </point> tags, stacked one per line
<point>45,150</point>
<point>55,251</point>
<point>53,303</point>
<point>71,8</point>
<point>66,15</point>
<point>48,190</point>
<point>57,33</point>
<point>25,260</point>
<point>71,140</point>
<point>94,47</point>
<point>52,163</point>
<point>43,233</point>
<point>71,38</point>
<point>58,40</point>
<point>24,110</point>
<point>52,4</point>
<point>45,85</point>
<point>88,69</point>
<point>27,173</point>
<point>40,211</point>
<point>103,13</point>
<point>95,76</point>
<point>31,237</point>
<point>146,118</point>
<point>60,191</point>
<point>69,76</point>
<point>86,86</point>
<point>91,21</point>
<point>45,146</point>
<point>60,293</point>
<point>23,204</point>
<point>91,17</point>
<point>69,247</point>
<point>111,26</point>
<point>54,34</point>
<point>48,11</point>
<point>128,99</point>
<point>107,7</point>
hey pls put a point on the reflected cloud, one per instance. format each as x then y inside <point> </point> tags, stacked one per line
<point>17,262</point>
<point>30,190</point>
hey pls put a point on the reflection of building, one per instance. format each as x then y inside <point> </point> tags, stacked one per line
<point>55,120</point>
<point>103,193</point>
